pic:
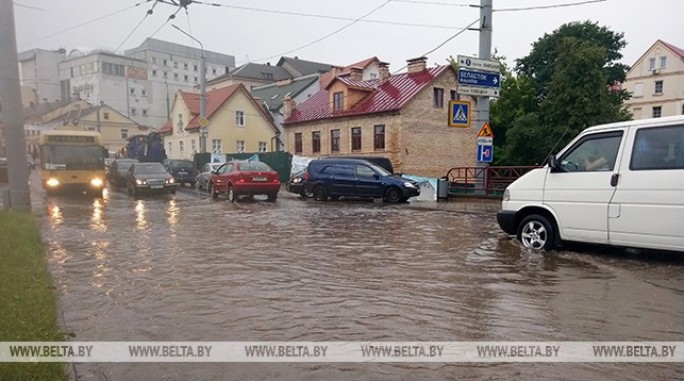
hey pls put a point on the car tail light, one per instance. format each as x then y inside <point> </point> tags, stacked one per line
<point>306,176</point>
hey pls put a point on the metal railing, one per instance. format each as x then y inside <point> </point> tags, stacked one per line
<point>483,181</point>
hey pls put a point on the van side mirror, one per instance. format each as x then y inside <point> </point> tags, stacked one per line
<point>554,164</point>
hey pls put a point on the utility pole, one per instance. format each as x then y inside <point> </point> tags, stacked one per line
<point>19,196</point>
<point>485,53</point>
<point>203,93</point>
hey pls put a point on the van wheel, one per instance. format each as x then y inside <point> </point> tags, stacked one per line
<point>231,194</point>
<point>536,232</point>
<point>320,194</point>
<point>272,197</point>
<point>393,195</point>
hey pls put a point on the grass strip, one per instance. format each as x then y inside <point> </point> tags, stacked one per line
<point>28,302</point>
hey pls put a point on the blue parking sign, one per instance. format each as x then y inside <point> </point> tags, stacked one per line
<point>485,153</point>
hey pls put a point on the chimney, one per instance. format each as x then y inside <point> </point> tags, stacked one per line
<point>288,106</point>
<point>356,73</point>
<point>383,72</point>
<point>416,65</point>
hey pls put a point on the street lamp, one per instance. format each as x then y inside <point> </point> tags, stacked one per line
<point>203,93</point>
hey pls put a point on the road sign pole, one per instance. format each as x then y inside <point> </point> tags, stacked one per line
<point>485,53</point>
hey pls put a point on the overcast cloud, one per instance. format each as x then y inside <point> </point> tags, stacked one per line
<point>263,30</point>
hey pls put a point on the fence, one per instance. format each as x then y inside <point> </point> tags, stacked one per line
<point>483,181</point>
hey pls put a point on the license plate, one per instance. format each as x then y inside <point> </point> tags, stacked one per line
<point>156,186</point>
<point>259,178</point>
<point>182,173</point>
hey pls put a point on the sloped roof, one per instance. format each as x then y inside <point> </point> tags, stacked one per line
<point>254,71</point>
<point>330,75</point>
<point>215,100</point>
<point>391,96</point>
<point>675,49</point>
<point>40,109</point>
<point>274,94</point>
<point>304,67</point>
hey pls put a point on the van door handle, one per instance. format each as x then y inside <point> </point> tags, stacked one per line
<point>614,179</point>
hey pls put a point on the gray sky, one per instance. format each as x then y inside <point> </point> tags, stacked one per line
<point>263,30</point>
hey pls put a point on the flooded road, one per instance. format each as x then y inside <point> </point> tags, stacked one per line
<point>186,268</point>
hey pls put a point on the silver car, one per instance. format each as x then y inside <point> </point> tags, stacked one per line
<point>205,175</point>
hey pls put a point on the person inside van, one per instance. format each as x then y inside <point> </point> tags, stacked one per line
<point>601,154</point>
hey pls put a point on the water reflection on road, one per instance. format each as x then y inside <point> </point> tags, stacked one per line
<point>184,267</point>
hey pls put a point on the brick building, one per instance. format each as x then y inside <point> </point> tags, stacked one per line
<point>403,117</point>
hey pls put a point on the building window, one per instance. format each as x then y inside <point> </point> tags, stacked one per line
<point>334,140</point>
<point>175,65</point>
<point>651,63</point>
<point>180,124</point>
<point>657,111</point>
<point>240,118</point>
<point>124,134</point>
<point>165,63</point>
<point>194,67</point>
<point>134,111</point>
<point>438,97</point>
<point>453,95</point>
<point>298,142</point>
<point>154,60</point>
<point>185,66</point>
<point>170,148</point>
<point>144,112</point>
<point>240,146</point>
<point>105,115</point>
<point>213,71</point>
<point>185,78</point>
<point>379,136</point>
<point>262,146</point>
<point>216,146</point>
<point>181,147</point>
<point>193,145</point>
<point>143,92</point>
<point>338,101</point>
<point>658,87</point>
<point>356,139</point>
<point>175,76</point>
<point>195,79</point>
<point>663,62</point>
<point>132,91</point>
<point>154,73</point>
<point>316,141</point>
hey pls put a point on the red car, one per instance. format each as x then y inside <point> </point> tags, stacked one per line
<point>245,178</point>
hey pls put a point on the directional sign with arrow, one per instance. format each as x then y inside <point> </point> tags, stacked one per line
<point>478,78</point>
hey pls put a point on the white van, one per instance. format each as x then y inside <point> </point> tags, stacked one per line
<point>619,184</point>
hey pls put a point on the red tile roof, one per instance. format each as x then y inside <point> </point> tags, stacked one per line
<point>675,49</point>
<point>326,78</point>
<point>215,99</point>
<point>391,96</point>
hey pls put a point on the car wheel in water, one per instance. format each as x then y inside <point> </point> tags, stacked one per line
<point>393,195</point>
<point>192,184</point>
<point>537,233</point>
<point>231,194</point>
<point>214,195</point>
<point>320,194</point>
<point>272,197</point>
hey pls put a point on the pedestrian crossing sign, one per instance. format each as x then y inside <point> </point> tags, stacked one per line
<point>459,114</point>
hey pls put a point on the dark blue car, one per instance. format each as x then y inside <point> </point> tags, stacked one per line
<point>335,178</point>
<point>183,171</point>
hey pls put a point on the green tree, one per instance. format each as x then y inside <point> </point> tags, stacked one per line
<point>561,87</point>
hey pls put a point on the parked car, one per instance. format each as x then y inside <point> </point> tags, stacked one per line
<point>151,177</point>
<point>183,171</point>
<point>205,175</point>
<point>245,178</point>
<point>335,178</point>
<point>119,170</point>
<point>296,184</point>
<point>618,184</point>
<point>380,161</point>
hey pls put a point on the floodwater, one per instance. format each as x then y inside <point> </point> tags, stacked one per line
<point>187,268</point>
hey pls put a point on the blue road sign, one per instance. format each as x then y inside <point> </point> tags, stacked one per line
<point>485,153</point>
<point>478,78</point>
<point>459,114</point>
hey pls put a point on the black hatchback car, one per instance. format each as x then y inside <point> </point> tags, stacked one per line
<point>335,178</point>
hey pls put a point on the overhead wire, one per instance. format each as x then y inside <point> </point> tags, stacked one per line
<point>547,6</point>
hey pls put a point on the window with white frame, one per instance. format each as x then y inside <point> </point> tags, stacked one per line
<point>657,111</point>
<point>181,147</point>
<point>124,133</point>
<point>216,146</point>
<point>170,149</point>
<point>193,146</point>
<point>180,124</point>
<point>240,118</point>
<point>240,146</point>
<point>658,89</point>
<point>262,146</point>
<point>651,63</point>
<point>663,62</point>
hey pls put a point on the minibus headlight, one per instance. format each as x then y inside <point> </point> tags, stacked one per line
<point>52,182</point>
<point>97,183</point>
<point>507,195</point>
